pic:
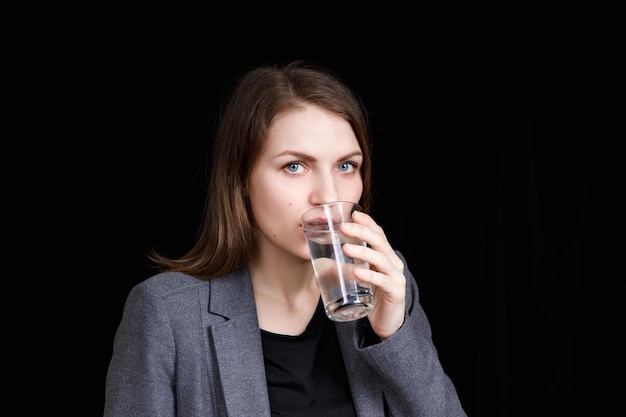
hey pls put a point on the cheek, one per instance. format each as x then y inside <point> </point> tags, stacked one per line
<point>275,211</point>
<point>352,191</point>
<point>260,191</point>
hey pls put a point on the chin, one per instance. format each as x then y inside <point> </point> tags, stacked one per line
<point>306,255</point>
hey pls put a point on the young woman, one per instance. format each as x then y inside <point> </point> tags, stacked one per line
<point>235,327</point>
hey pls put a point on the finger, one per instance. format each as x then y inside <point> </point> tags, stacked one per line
<point>367,230</point>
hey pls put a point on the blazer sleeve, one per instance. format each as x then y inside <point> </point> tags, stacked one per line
<point>141,371</point>
<point>407,365</point>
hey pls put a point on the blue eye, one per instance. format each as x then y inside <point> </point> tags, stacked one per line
<point>293,167</point>
<point>347,166</point>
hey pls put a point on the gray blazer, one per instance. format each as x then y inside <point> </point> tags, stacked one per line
<point>187,347</point>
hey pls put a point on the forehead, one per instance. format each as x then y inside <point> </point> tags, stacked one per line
<point>310,126</point>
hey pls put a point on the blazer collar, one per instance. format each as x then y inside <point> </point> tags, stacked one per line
<point>232,295</point>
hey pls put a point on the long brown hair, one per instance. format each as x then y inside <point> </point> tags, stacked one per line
<point>227,237</point>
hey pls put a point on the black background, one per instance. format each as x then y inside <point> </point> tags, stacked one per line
<point>494,173</point>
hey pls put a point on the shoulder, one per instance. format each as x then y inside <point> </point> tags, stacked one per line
<point>411,282</point>
<point>178,302</point>
<point>168,283</point>
<point>174,289</point>
<point>162,292</point>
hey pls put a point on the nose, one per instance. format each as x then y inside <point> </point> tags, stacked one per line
<point>325,190</point>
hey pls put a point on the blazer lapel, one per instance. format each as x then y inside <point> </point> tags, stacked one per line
<point>238,347</point>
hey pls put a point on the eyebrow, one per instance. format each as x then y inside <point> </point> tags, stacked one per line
<point>301,155</point>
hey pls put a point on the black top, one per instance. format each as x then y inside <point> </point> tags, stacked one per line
<point>306,376</point>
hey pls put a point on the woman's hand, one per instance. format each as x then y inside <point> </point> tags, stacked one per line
<point>386,273</point>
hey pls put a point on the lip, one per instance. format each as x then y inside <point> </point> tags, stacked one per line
<point>315,224</point>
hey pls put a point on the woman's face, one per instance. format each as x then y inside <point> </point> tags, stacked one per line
<point>311,157</point>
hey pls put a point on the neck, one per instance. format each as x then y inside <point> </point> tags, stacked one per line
<point>285,292</point>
